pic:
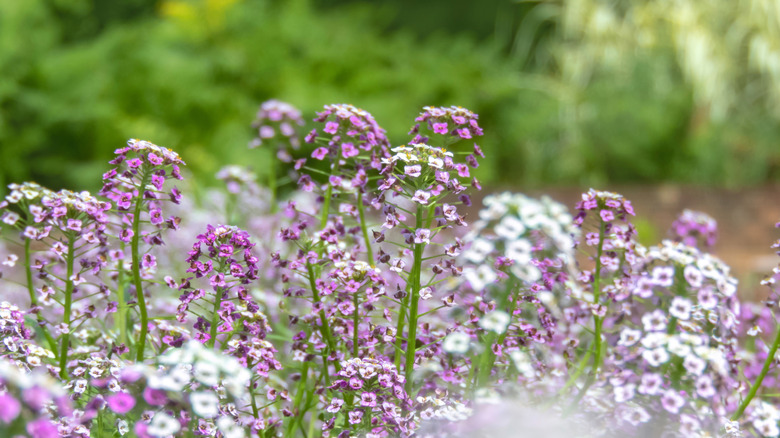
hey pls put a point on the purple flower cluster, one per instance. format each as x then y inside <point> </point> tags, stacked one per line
<point>223,255</point>
<point>695,228</point>
<point>141,171</point>
<point>276,122</point>
<point>370,392</point>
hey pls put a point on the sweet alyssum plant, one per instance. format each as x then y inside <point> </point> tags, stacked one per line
<point>363,294</point>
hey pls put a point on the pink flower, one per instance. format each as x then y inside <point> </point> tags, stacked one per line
<point>154,397</point>
<point>440,128</point>
<point>121,402</point>
<point>331,127</point>
<point>319,153</point>
<point>9,408</point>
<point>154,159</point>
<point>42,428</point>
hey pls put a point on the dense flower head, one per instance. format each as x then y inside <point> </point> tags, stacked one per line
<point>449,121</point>
<point>610,206</point>
<point>276,122</point>
<point>68,211</point>
<point>370,388</point>
<point>513,230</point>
<point>141,171</point>
<point>236,177</point>
<point>227,247</point>
<point>34,398</point>
<point>349,130</point>
<point>694,227</point>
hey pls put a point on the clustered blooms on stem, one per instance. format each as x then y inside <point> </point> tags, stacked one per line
<point>136,185</point>
<point>275,123</point>
<point>695,228</point>
<point>381,309</point>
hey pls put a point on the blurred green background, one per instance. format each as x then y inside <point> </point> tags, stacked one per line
<point>569,91</point>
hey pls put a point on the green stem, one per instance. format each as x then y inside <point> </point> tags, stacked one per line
<point>68,303</point>
<point>219,293</point>
<point>139,290</point>
<point>414,301</point>
<point>355,325</point>
<point>272,183</point>
<point>326,206</point>
<point>121,313</point>
<point>324,327</point>
<point>301,389</point>
<point>361,212</point>
<point>399,330</point>
<point>34,301</point>
<point>255,411</point>
<point>760,379</point>
<point>597,321</point>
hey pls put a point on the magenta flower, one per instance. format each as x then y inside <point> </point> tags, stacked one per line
<point>155,397</point>
<point>42,428</point>
<point>9,408</point>
<point>121,402</point>
<point>440,128</point>
<point>36,397</point>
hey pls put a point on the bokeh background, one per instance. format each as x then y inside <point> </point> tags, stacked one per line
<point>571,93</point>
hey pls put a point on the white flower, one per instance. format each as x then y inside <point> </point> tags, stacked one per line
<point>122,427</point>
<point>519,251</point>
<point>523,363</point>
<point>495,321</point>
<point>480,277</point>
<point>206,373</point>
<point>510,228</point>
<point>681,308</point>
<point>163,425</point>
<point>629,337</point>
<point>479,249</point>
<point>655,321</point>
<point>656,356</point>
<point>204,404</point>
<point>456,343</point>
<point>624,393</point>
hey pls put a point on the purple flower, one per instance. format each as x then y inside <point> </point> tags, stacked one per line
<point>440,128</point>
<point>156,216</point>
<point>42,428</point>
<point>421,197</point>
<point>331,127</point>
<point>320,153</point>
<point>121,402</point>
<point>155,397</point>
<point>414,170</point>
<point>355,417</point>
<point>349,150</point>
<point>368,399</point>
<point>36,397</point>
<point>154,159</point>
<point>9,408</point>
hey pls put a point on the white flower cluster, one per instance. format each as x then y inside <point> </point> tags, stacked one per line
<point>512,225</point>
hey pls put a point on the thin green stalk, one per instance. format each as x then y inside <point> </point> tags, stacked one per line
<point>760,379</point>
<point>324,327</point>
<point>597,321</point>
<point>300,390</point>
<point>255,411</point>
<point>355,325</point>
<point>215,317</point>
<point>362,214</point>
<point>399,330</point>
<point>272,183</point>
<point>68,302</point>
<point>326,206</point>
<point>139,290</point>
<point>121,314</point>
<point>414,301</point>
<point>34,301</point>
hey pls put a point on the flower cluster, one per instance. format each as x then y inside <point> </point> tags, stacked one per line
<point>694,227</point>
<point>371,398</point>
<point>229,265</point>
<point>35,404</point>
<point>276,122</point>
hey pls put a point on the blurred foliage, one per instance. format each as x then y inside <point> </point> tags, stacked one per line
<point>569,91</point>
